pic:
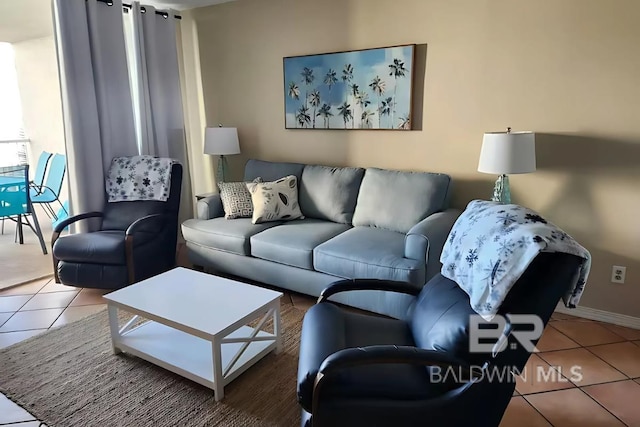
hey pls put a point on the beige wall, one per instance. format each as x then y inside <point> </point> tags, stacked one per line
<point>200,167</point>
<point>566,69</point>
<point>39,85</point>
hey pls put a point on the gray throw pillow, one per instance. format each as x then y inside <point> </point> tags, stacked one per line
<point>236,199</point>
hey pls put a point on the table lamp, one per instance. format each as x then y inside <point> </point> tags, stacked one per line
<point>221,141</point>
<point>505,153</point>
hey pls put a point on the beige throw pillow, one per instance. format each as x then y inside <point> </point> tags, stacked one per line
<point>274,201</point>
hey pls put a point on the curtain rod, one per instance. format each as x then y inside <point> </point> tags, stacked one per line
<point>126,8</point>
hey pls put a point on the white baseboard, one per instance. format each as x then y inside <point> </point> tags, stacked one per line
<point>600,315</point>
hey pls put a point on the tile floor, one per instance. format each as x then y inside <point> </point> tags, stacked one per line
<point>30,309</point>
<point>606,393</point>
<point>26,262</point>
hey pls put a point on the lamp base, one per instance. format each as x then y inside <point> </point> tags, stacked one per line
<point>501,190</point>
<point>221,173</point>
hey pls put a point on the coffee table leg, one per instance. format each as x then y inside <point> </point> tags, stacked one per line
<point>113,327</point>
<point>218,379</point>
<point>277,327</point>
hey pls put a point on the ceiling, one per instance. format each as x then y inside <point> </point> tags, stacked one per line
<point>25,20</point>
<point>181,4</point>
<point>31,19</point>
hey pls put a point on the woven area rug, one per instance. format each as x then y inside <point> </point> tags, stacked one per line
<point>69,377</point>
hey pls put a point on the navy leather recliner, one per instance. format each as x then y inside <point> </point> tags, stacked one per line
<point>136,240</point>
<point>364,370</point>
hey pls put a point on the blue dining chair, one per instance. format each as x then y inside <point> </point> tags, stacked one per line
<point>50,191</point>
<point>38,177</point>
<point>13,192</point>
<point>41,170</point>
<point>15,203</point>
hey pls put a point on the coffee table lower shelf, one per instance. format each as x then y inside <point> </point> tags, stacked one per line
<point>191,356</point>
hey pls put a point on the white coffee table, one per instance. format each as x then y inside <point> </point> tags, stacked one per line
<point>196,325</point>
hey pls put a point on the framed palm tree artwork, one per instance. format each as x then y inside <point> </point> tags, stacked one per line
<point>361,89</point>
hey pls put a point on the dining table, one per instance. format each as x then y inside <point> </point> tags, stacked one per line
<point>7,182</point>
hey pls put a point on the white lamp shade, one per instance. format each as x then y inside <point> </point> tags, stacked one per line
<point>221,141</point>
<point>508,153</point>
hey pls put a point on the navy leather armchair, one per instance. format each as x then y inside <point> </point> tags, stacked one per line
<point>136,240</point>
<point>365,370</point>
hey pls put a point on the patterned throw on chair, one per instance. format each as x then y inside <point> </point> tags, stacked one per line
<point>139,178</point>
<point>492,244</point>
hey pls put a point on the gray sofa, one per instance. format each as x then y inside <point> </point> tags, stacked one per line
<point>358,223</point>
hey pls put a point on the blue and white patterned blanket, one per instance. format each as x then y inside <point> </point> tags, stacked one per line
<point>490,247</point>
<point>139,178</point>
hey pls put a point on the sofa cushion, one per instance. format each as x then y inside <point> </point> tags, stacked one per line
<point>330,193</point>
<point>225,235</point>
<point>99,247</point>
<point>397,200</point>
<point>277,200</point>
<point>271,171</point>
<point>292,243</point>
<point>365,252</point>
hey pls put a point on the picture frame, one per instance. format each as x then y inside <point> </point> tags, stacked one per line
<point>366,89</point>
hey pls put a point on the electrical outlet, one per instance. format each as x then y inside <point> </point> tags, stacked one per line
<point>618,274</point>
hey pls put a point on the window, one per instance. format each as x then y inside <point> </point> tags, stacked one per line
<point>13,142</point>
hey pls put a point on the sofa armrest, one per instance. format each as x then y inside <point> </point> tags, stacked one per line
<point>369,285</point>
<point>209,207</point>
<point>426,239</point>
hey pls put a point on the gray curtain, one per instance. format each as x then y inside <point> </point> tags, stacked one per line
<point>97,108</point>
<point>157,93</point>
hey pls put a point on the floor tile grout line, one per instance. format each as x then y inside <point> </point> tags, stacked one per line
<point>606,325</point>
<point>609,343</point>
<point>25,303</point>
<point>583,345</point>
<point>20,422</point>
<point>562,333</point>
<point>35,329</point>
<point>56,292</point>
<point>603,407</point>
<point>616,369</point>
<point>64,309</point>
<point>24,330</point>
<point>555,368</point>
<point>9,318</point>
<point>576,386</point>
<point>583,392</point>
<point>24,284</point>
<point>20,406</point>
<point>14,313</point>
<point>627,377</point>
<point>52,308</point>
<point>536,409</point>
<point>574,348</point>
<point>598,322</point>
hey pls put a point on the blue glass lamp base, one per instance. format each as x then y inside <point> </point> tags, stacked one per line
<point>221,175</point>
<point>501,190</point>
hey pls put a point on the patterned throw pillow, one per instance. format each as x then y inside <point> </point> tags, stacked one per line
<point>236,199</point>
<point>277,200</point>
